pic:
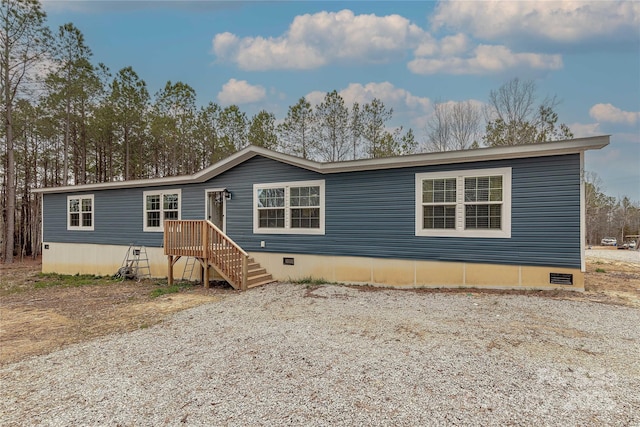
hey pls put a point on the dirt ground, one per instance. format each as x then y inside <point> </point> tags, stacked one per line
<point>36,318</point>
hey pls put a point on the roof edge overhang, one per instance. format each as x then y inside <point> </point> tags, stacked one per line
<point>554,148</point>
<point>570,146</point>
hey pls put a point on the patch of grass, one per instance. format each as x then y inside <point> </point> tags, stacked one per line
<point>164,290</point>
<point>162,281</point>
<point>50,280</point>
<point>600,270</point>
<point>310,281</point>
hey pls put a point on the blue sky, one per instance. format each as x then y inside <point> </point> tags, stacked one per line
<point>266,55</point>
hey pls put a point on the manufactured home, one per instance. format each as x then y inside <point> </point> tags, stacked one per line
<point>499,217</point>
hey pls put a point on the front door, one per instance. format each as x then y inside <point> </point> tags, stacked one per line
<point>216,208</point>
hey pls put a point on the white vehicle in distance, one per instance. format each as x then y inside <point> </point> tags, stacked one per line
<point>609,241</point>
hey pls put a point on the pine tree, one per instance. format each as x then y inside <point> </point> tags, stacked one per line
<point>24,40</point>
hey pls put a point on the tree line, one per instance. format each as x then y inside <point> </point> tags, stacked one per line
<point>608,216</point>
<point>69,120</point>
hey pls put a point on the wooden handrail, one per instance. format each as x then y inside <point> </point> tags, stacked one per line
<point>202,239</point>
<point>215,227</point>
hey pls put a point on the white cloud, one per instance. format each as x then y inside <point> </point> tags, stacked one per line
<point>225,43</point>
<point>485,59</point>
<point>565,21</point>
<point>323,38</point>
<point>390,95</point>
<point>240,92</point>
<point>583,130</point>
<point>454,45</point>
<point>474,103</point>
<point>612,114</point>
<point>407,107</point>
<point>428,46</point>
<point>315,40</point>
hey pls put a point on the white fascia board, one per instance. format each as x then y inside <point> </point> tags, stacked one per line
<point>152,182</point>
<point>205,174</point>
<point>570,146</point>
<point>252,151</point>
<point>201,176</point>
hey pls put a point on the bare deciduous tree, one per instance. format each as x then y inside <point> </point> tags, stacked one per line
<point>439,128</point>
<point>514,117</point>
<point>453,126</point>
<point>465,125</point>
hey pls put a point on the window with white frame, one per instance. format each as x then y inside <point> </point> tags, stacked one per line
<point>160,206</point>
<point>80,212</point>
<point>468,203</point>
<point>289,207</point>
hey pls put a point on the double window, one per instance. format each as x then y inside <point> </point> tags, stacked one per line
<point>80,212</point>
<point>470,203</point>
<point>289,207</point>
<point>160,206</point>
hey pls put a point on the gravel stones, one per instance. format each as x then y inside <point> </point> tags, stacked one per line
<point>627,255</point>
<point>331,355</point>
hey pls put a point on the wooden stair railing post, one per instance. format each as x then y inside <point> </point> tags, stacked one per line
<point>205,253</point>
<point>167,251</point>
<point>245,272</point>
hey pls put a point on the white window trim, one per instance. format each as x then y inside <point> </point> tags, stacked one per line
<point>287,209</point>
<point>161,193</point>
<point>459,231</point>
<point>93,213</point>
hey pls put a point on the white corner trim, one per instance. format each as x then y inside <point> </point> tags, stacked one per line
<point>583,216</point>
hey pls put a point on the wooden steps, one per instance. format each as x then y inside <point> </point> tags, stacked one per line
<point>257,275</point>
<point>204,241</point>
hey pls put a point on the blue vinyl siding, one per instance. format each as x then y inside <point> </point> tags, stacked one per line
<point>369,213</point>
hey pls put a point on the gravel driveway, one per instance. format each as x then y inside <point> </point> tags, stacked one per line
<point>614,255</point>
<point>291,355</point>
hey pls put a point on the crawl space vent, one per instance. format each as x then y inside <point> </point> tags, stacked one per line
<point>561,279</point>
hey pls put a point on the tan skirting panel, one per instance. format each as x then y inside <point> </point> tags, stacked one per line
<point>101,260</point>
<point>413,274</point>
<point>73,258</point>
